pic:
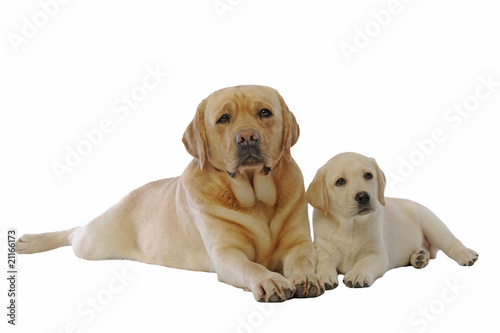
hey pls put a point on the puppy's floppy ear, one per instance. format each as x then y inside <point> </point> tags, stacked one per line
<point>291,128</point>
<point>381,182</point>
<point>194,138</point>
<point>316,192</point>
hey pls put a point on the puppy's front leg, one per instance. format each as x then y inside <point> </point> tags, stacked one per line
<point>299,266</point>
<point>233,267</point>
<point>327,269</point>
<point>367,270</point>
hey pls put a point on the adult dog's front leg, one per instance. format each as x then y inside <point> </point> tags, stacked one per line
<point>234,268</point>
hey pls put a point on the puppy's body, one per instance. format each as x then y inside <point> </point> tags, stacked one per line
<point>238,209</point>
<point>362,237</point>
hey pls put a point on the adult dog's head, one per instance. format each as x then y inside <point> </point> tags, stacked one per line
<point>241,128</point>
<point>349,184</point>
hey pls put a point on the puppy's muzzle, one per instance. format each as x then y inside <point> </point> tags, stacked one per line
<point>363,200</point>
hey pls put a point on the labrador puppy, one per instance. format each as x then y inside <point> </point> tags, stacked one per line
<point>238,209</point>
<point>361,234</point>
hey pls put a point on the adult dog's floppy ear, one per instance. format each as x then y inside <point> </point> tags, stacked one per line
<point>381,182</point>
<point>291,128</point>
<point>194,138</point>
<point>316,192</point>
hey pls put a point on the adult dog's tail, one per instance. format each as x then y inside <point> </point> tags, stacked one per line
<point>34,243</point>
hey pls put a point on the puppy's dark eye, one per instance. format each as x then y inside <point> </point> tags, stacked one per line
<point>264,113</point>
<point>368,175</point>
<point>340,182</point>
<point>224,119</point>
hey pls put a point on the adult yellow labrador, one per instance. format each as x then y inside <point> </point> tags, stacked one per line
<point>238,209</point>
<point>360,233</point>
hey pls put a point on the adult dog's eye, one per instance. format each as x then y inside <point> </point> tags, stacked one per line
<point>264,113</point>
<point>368,175</point>
<point>340,182</point>
<point>224,119</point>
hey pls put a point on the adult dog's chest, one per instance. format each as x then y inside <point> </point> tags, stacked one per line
<point>254,227</point>
<point>264,228</point>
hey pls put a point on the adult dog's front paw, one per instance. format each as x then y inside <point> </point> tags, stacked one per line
<point>307,285</point>
<point>355,279</point>
<point>275,288</point>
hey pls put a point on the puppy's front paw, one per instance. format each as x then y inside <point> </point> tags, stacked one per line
<point>466,257</point>
<point>354,279</point>
<point>307,285</point>
<point>330,281</point>
<point>420,258</point>
<point>275,288</point>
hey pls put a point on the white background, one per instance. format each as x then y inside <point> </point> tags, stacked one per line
<point>65,78</point>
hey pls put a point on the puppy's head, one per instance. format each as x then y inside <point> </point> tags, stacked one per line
<point>241,128</point>
<point>348,184</point>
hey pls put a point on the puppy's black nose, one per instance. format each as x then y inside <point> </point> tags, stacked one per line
<point>362,198</point>
<point>247,137</point>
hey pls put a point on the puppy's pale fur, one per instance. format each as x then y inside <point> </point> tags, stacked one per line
<point>238,209</point>
<point>361,234</point>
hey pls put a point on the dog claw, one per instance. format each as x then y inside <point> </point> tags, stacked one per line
<point>328,286</point>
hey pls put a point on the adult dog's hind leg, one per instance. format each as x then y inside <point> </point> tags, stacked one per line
<point>108,236</point>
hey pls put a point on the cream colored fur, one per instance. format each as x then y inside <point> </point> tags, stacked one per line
<point>363,241</point>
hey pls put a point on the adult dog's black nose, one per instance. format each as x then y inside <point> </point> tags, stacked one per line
<point>247,137</point>
<point>362,198</point>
